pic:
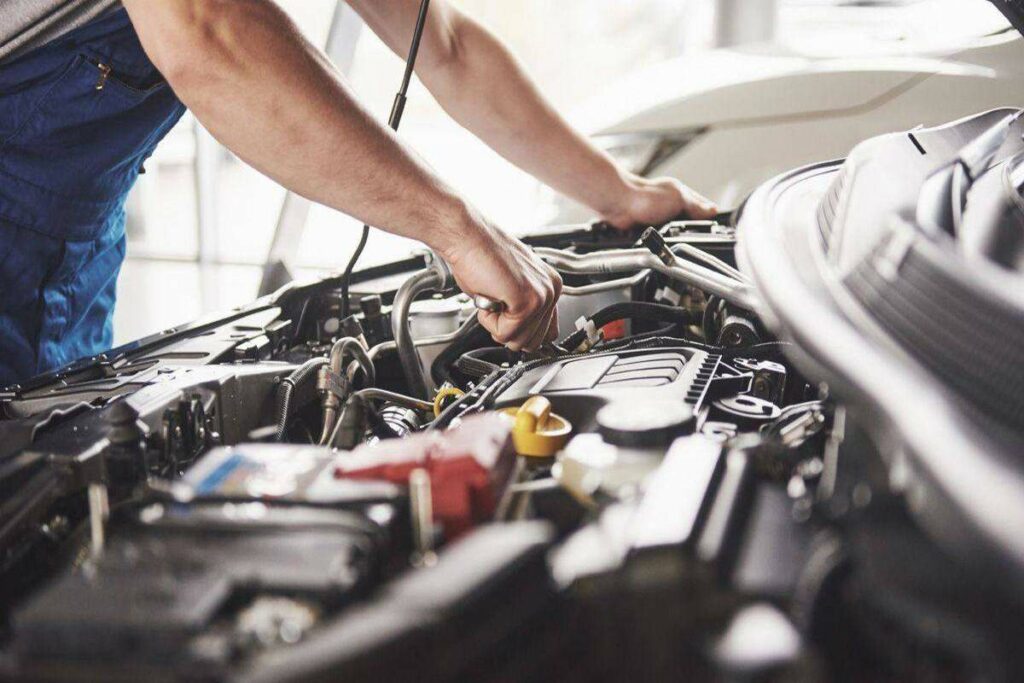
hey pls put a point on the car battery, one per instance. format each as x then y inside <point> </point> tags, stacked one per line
<point>284,474</point>
<point>190,587</point>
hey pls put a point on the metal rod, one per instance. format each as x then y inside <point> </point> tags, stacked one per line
<point>98,511</point>
<point>394,119</point>
<point>421,506</point>
<point>375,394</point>
<point>620,260</point>
<point>710,260</point>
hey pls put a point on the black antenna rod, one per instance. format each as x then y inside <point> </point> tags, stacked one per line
<point>410,64</point>
<point>397,108</point>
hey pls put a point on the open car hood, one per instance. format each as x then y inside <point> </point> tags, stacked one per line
<point>1014,11</point>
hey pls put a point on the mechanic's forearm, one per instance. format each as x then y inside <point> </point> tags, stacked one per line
<point>485,88</point>
<point>272,98</point>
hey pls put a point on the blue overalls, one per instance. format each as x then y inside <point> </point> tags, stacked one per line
<point>78,117</point>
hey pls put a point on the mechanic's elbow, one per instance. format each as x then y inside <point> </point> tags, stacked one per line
<point>200,42</point>
<point>451,57</point>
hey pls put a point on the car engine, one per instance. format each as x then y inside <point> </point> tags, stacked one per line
<point>684,486</point>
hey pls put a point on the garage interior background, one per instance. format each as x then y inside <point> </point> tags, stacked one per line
<point>201,222</point>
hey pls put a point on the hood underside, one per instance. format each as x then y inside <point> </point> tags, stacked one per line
<point>1014,11</point>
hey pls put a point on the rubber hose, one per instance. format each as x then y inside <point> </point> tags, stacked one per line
<point>423,281</point>
<point>476,363</point>
<point>304,373</point>
<point>470,336</point>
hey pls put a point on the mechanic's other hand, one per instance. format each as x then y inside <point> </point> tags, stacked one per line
<point>500,267</point>
<point>653,201</point>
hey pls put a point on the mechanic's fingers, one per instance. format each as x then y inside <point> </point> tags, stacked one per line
<point>541,328</point>
<point>489,321</point>
<point>526,322</point>
<point>505,329</point>
<point>529,332</point>
<point>698,206</point>
<point>552,335</point>
<point>548,331</point>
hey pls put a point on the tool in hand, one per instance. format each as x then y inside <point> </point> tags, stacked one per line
<point>546,350</point>
<point>484,303</point>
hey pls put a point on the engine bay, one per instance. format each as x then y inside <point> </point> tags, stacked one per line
<point>281,493</point>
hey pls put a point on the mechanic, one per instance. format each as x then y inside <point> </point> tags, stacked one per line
<point>89,87</point>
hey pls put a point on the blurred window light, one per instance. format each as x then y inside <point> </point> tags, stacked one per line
<point>575,49</point>
<point>642,153</point>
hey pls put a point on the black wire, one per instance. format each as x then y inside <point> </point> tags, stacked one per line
<point>346,278</point>
<point>631,310</point>
<point>393,121</point>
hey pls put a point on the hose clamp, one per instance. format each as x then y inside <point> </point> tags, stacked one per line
<point>332,384</point>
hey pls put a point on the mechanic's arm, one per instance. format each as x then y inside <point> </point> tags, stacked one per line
<point>248,75</point>
<point>483,87</point>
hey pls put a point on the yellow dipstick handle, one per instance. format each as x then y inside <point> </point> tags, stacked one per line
<point>443,395</point>
<point>537,431</point>
<point>533,414</point>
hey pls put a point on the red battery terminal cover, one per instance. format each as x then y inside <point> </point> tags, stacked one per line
<point>469,465</point>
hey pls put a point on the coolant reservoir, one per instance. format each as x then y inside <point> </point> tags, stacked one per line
<point>434,317</point>
<point>632,441</point>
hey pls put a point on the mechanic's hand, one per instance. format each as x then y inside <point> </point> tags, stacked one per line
<point>653,201</point>
<point>500,267</point>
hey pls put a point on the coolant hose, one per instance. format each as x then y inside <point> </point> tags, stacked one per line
<point>470,336</point>
<point>307,372</point>
<point>436,277</point>
<point>629,310</point>
<point>475,363</point>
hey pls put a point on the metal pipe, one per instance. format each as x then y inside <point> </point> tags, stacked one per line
<point>607,286</point>
<point>423,281</point>
<point>382,348</point>
<point>389,346</point>
<point>332,403</point>
<point>375,394</point>
<point>620,260</point>
<point>351,345</point>
<point>711,260</point>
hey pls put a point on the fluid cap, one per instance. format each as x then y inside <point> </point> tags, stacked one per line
<point>538,432</point>
<point>645,423</point>
<point>445,396</point>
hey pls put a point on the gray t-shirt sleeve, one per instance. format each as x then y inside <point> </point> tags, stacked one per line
<point>27,24</point>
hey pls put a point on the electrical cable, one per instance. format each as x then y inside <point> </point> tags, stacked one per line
<point>393,121</point>
<point>305,374</point>
<point>630,310</point>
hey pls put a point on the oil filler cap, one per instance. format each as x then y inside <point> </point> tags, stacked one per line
<point>538,432</point>
<point>645,424</point>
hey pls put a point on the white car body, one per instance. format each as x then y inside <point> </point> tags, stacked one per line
<point>762,109</point>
